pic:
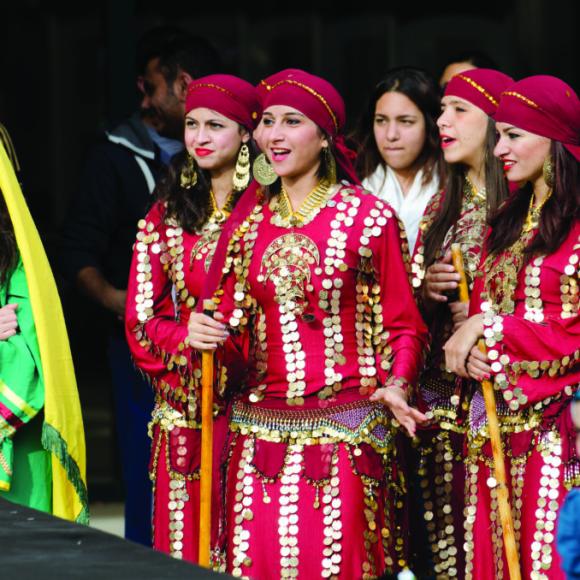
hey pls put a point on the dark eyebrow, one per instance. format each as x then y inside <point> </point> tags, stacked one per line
<point>190,117</point>
<point>399,117</point>
<point>293,114</point>
<point>456,102</point>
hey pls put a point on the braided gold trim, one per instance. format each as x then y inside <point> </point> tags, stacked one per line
<point>522,98</point>
<point>479,88</point>
<point>309,90</point>
<point>211,86</point>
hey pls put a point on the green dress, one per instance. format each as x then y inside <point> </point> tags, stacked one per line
<point>25,466</point>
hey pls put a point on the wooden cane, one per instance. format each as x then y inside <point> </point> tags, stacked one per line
<point>206,468</point>
<point>505,511</point>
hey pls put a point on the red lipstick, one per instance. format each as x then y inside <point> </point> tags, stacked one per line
<point>507,164</point>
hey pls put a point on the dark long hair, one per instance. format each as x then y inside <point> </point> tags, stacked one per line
<point>424,92</point>
<point>496,188</point>
<point>8,247</point>
<point>557,217</point>
<point>190,207</point>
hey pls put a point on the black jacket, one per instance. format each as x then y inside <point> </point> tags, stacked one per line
<point>114,194</point>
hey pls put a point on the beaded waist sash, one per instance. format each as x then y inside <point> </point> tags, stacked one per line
<point>354,423</point>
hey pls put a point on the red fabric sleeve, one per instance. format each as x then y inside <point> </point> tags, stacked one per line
<point>405,335</point>
<point>157,340</point>
<point>418,259</point>
<point>533,361</point>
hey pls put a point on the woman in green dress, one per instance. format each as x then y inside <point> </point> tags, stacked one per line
<point>42,451</point>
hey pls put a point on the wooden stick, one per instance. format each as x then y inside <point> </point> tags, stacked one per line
<point>206,467</point>
<point>457,260</point>
<point>505,511</point>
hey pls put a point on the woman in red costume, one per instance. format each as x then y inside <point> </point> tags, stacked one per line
<point>315,275</point>
<point>174,248</point>
<point>525,305</point>
<point>475,187</point>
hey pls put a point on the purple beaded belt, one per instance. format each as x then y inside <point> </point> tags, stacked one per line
<point>354,423</point>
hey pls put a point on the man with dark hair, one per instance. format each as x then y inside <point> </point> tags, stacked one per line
<point>97,238</point>
<point>168,59</point>
<point>462,61</point>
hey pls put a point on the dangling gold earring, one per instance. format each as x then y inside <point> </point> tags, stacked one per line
<point>188,176</point>
<point>242,171</point>
<point>264,173</point>
<point>330,163</point>
<point>548,172</point>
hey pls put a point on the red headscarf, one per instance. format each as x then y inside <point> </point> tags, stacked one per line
<point>482,87</point>
<point>230,96</point>
<point>318,100</point>
<point>546,106</point>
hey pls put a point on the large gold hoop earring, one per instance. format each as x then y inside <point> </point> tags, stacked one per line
<point>264,173</point>
<point>242,171</point>
<point>188,175</point>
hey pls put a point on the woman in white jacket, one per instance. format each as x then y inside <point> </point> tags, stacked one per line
<point>399,157</point>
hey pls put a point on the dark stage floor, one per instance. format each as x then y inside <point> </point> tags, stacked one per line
<point>38,546</point>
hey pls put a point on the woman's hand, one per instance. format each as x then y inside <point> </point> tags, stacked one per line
<point>459,312</point>
<point>440,277</point>
<point>8,321</point>
<point>457,348</point>
<point>478,365</point>
<point>396,400</point>
<point>204,332</point>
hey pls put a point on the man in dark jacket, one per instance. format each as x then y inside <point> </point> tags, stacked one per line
<point>97,238</point>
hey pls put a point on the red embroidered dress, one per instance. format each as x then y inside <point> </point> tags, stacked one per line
<point>311,481</point>
<point>532,332</point>
<point>443,396</point>
<point>166,277</point>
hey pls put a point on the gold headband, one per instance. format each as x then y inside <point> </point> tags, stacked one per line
<point>522,98</point>
<point>309,90</point>
<point>479,88</point>
<point>211,86</point>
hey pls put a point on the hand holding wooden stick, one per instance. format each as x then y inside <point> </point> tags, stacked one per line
<point>505,511</point>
